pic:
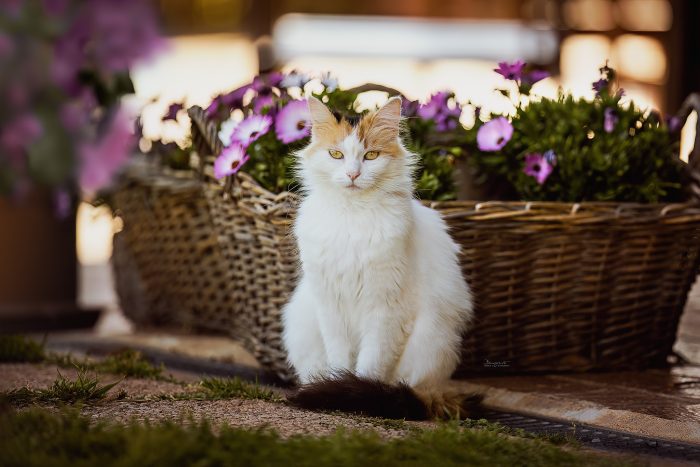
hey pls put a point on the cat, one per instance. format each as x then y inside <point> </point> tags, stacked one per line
<point>375,324</point>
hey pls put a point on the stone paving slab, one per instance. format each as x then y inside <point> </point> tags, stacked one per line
<point>206,347</point>
<point>604,405</point>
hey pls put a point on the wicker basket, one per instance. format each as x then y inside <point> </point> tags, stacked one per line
<point>557,286</point>
<point>169,265</point>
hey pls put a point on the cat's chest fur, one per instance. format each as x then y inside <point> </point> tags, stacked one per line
<point>353,244</point>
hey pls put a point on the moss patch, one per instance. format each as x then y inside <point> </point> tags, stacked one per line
<point>38,437</point>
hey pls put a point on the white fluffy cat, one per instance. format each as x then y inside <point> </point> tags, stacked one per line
<point>382,304</point>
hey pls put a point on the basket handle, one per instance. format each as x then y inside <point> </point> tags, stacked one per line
<point>376,87</point>
<point>205,137</point>
<point>692,102</point>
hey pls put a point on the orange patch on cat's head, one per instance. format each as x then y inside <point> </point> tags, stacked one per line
<point>377,130</point>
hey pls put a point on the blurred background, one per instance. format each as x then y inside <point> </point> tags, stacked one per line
<point>416,46</point>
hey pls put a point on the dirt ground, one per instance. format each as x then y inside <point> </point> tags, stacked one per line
<point>141,403</point>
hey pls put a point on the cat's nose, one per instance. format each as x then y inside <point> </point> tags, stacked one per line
<point>353,175</point>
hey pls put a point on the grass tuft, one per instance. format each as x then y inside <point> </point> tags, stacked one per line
<point>38,437</point>
<point>20,349</point>
<point>225,388</point>
<point>83,389</point>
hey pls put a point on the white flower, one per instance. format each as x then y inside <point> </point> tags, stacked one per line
<point>329,82</point>
<point>226,131</point>
<point>294,80</point>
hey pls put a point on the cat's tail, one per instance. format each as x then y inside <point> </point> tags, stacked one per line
<point>347,392</point>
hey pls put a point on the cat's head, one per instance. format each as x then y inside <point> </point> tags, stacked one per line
<point>355,157</point>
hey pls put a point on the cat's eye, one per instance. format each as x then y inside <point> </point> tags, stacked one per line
<point>335,154</point>
<point>371,155</point>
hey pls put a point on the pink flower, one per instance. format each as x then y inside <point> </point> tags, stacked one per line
<point>537,166</point>
<point>230,161</point>
<point>494,134</point>
<point>101,159</point>
<point>250,129</point>
<point>293,122</point>
<point>512,71</point>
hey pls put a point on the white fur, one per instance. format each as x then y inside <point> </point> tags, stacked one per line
<point>381,293</point>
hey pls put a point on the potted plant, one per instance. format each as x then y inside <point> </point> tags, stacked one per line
<point>62,132</point>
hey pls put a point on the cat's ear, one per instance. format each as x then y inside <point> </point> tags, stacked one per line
<point>385,124</point>
<point>390,113</point>
<point>322,119</point>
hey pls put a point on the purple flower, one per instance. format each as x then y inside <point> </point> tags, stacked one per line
<point>104,34</point>
<point>250,129</point>
<point>293,122</point>
<point>535,76</point>
<point>172,112</point>
<point>213,108</point>
<point>234,99</point>
<point>264,82</point>
<point>438,109</point>
<point>17,135</point>
<point>610,120</point>
<point>101,159</point>
<point>512,71</point>
<point>121,32</point>
<point>494,134</point>
<point>409,108</point>
<point>537,166</point>
<point>230,161</point>
<point>673,123</point>
<point>266,101</point>
<point>600,85</point>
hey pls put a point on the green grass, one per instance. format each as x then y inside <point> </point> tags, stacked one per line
<point>130,363</point>
<point>225,388</point>
<point>20,349</point>
<point>37,437</point>
<point>64,391</point>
